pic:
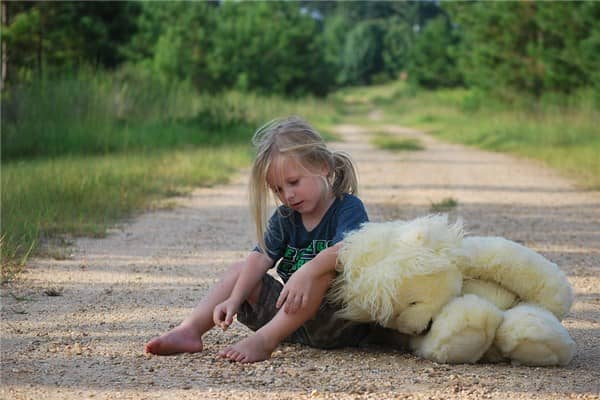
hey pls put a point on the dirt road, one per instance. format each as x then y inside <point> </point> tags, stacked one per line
<point>76,328</point>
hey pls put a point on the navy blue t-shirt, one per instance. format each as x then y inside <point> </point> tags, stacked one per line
<point>287,239</point>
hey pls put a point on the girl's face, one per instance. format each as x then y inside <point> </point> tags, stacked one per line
<point>302,189</point>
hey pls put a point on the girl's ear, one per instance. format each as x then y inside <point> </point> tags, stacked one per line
<point>325,170</point>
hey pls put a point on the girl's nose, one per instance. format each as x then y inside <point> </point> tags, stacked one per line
<point>289,195</point>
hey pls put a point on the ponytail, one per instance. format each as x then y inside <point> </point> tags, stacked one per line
<point>344,174</point>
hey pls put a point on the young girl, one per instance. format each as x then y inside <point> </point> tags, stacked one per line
<point>316,188</point>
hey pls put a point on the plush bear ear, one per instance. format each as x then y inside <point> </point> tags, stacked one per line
<point>533,336</point>
<point>517,269</point>
<point>461,333</point>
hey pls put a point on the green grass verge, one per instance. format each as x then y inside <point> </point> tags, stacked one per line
<point>443,205</point>
<point>83,151</point>
<point>85,195</point>
<point>386,141</point>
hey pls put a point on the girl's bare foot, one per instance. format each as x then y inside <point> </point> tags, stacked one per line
<point>249,350</point>
<point>178,340</point>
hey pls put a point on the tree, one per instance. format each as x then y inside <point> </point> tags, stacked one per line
<point>335,31</point>
<point>271,47</point>
<point>370,39</point>
<point>363,55</point>
<point>173,41</point>
<point>48,37</point>
<point>397,42</point>
<point>433,61</point>
<point>4,55</point>
<point>532,47</point>
<point>589,47</point>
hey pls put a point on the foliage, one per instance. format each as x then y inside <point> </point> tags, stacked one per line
<point>370,42</point>
<point>432,62</point>
<point>93,113</point>
<point>173,41</point>
<point>63,35</point>
<point>88,114</point>
<point>443,206</point>
<point>362,56</point>
<point>334,36</point>
<point>532,47</point>
<point>389,142</point>
<point>84,195</point>
<point>397,43</point>
<point>287,58</point>
<point>294,48</point>
<point>289,48</point>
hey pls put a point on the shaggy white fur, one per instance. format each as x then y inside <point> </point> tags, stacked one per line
<point>408,275</point>
<point>519,269</point>
<point>491,291</point>
<point>461,333</point>
<point>533,336</point>
<point>399,274</point>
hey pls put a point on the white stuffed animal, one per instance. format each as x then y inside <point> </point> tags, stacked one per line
<point>482,298</point>
<point>399,274</point>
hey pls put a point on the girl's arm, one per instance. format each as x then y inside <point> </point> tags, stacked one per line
<point>255,267</point>
<point>297,290</point>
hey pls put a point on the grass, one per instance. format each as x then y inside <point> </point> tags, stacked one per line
<point>568,141</point>
<point>389,142</point>
<point>96,115</point>
<point>14,257</point>
<point>443,205</point>
<point>83,152</point>
<point>85,195</point>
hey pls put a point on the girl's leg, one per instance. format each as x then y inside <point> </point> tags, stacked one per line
<point>187,337</point>
<point>261,344</point>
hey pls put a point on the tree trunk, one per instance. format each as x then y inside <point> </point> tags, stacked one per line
<point>4,47</point>
<point>40,48</point>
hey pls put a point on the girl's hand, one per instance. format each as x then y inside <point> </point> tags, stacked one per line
<point>224,312</point>
<point>295,294</point>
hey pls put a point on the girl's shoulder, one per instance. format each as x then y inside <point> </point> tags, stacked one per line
<point>349,204</point>
<point>350,200</point>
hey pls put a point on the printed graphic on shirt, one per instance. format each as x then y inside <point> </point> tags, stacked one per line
<point>294,258</point>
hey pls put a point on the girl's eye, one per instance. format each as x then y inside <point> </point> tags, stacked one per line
<point>294,182</point>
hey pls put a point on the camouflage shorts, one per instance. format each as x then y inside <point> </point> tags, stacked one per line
<point>325,330</point>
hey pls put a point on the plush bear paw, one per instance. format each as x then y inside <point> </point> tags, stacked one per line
<point>533,336</point>
<point>461,333</point>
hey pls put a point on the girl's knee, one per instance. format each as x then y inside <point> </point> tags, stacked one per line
<point>254,296</point>
<point>236,267</point>
<point>233,274</point>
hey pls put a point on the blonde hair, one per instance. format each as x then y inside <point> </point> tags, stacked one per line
<point>294,137</point>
